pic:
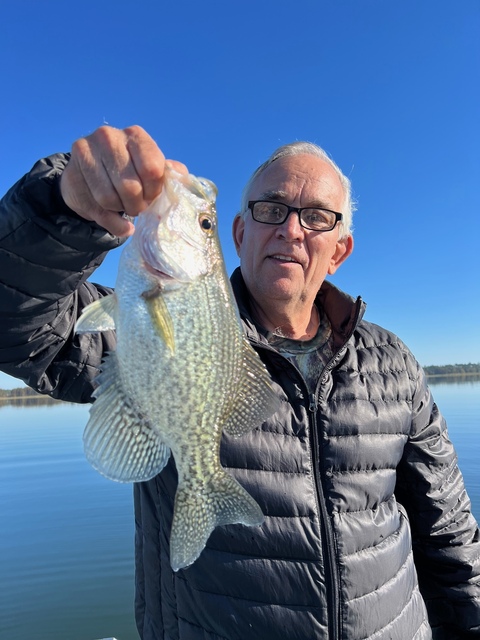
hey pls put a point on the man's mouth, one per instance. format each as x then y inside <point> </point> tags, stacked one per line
<point>283,258</point>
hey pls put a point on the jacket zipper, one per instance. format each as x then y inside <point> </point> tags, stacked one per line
<point>327,538</point>
<point>329,552</point>
<point>328,541</point>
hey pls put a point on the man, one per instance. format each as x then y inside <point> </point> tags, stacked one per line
<point>354,469</point>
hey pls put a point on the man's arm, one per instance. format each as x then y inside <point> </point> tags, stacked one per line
<point>446,538</point>
<point>47,252</point>
<point>56,225</point>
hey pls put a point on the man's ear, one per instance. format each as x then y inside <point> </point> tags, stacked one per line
<point>343,250</point>
<point>238,229</point>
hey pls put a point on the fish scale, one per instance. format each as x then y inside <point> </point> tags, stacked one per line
<point>182,373</point>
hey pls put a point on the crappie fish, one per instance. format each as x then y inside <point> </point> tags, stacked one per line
<point>182,371</point>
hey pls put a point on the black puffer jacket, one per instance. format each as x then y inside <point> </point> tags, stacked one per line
<point>344,477</point>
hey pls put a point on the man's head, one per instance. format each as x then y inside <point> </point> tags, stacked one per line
<point>306,148</point>
<point>285,264</point>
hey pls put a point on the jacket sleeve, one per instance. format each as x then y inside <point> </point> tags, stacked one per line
<point>446,538</point>
<point>47,253</point>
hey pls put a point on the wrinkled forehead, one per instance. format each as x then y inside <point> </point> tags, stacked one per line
<point>304,178</point>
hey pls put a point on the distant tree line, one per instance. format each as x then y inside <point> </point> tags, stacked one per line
<point>24,396</point>
<point>21,392</point>
<point>452,369</point>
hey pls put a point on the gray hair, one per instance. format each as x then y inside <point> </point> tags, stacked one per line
<point>306,148</point>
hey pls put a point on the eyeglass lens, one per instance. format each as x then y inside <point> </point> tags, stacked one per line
<point>277,213</point>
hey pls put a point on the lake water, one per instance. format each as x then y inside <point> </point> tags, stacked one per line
<point>66,533</point>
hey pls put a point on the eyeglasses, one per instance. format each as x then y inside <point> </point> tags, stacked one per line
<point>312,218</point>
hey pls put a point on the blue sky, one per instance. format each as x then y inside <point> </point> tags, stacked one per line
<point>390,89</point>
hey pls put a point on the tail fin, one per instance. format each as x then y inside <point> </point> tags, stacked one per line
<point>197,513</point>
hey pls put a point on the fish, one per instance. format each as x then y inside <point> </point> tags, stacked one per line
<point>182,372</point>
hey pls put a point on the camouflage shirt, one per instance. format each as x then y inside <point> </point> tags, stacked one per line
<point>309,356</point>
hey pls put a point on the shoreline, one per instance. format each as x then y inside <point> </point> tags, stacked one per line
<point>467,374</point>
<point>26,393</point>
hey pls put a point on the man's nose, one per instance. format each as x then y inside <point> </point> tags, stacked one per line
<point>291,229</point>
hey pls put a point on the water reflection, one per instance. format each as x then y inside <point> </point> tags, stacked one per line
<point>66,538</point>
<point>27,401</point>
<point>470,380</point>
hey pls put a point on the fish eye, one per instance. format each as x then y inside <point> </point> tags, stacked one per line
<point>207,223</point>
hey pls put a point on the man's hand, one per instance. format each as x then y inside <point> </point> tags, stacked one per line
<point>113,171</point>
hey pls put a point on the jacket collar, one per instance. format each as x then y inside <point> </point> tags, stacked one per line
<point>343,311</point>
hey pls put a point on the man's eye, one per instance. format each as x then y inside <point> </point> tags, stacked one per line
<point>315,216</point>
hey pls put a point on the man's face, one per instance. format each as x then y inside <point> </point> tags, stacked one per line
<point>287,262</point>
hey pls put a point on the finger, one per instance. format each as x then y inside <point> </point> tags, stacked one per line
<point>148,160</point>
<point>112,175</point>
<point>178,166</point>
<point>114,170</point>
<point>79,198</point>
<point>86,184</point>
<point>77,194</point>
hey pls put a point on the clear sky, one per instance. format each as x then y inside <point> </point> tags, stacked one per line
<point>390,89</point>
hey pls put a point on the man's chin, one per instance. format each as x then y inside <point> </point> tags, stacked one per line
<point>282,289</point>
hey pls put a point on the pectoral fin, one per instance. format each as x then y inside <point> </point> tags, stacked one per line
<point>160,316</point>
<point>98,316</point>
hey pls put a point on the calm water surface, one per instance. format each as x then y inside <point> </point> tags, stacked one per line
<point>66,533</point>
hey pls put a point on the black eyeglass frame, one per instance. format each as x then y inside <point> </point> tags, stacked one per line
<point>298,210</point>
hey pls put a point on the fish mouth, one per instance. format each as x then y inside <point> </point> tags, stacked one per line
<point>169,238</point>
<point>161,256</point>
<point>158,272</point>
<point>166,270</point>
